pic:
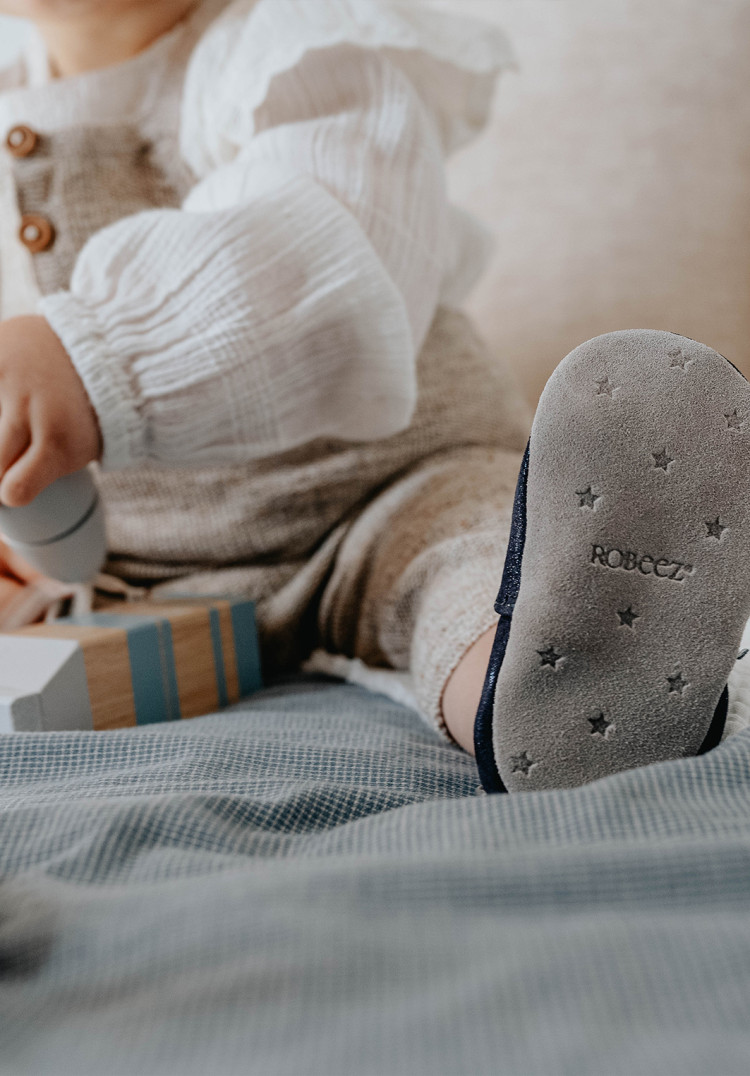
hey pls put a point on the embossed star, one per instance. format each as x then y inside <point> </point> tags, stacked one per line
<point>588,497</point>
<point>549,656</point>
<point>521,763</point>
<point>676,684</point>
<point>606,388</point>
<point>627,616</point>
<point>600,724</point>
<point>734,422</point>
<point>662,459</point>
<point>678,358</point>
<point>715,528</point>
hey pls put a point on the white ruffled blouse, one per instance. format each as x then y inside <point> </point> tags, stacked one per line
<point>288,298</point>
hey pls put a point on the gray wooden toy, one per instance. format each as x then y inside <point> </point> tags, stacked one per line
<point>62,531</point>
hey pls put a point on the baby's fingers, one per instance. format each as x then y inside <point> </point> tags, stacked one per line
<point>28,476</point>
<point>14,568</point>
<point>10,589</point>
<point>14,439</point>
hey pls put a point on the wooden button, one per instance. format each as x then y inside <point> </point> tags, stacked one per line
<point>36,233</point>
<point>22,141</point>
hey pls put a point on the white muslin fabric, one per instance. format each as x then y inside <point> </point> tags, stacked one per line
<point>289,295</point>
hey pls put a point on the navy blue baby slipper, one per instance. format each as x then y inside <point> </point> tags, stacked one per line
<point>626,586</point>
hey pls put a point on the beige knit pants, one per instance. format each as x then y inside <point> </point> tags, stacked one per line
<point>416,577</point>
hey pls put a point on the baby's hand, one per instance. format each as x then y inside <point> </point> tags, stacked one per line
<point>15,577</point>
<point>48,427</point>
<point>26,596</point>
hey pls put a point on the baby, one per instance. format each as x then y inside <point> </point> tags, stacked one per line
<point>230,276</point>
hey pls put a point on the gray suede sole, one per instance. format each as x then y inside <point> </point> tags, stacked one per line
<point>635,580</point>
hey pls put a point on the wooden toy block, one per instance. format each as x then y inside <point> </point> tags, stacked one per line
<point>131,664</point>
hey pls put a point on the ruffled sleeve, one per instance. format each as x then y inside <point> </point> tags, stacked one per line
<point>452,62</point>
<point>289,296</point>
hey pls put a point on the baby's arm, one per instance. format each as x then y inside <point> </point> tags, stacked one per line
<point>288,297</point>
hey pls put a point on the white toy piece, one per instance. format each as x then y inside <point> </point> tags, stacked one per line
<point>42,685</point>
<point>61,533</point>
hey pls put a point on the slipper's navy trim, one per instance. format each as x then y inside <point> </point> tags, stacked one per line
<point>506,600</point>
<point>716,728</point>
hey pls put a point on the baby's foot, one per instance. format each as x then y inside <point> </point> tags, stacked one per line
<point>632,535</point>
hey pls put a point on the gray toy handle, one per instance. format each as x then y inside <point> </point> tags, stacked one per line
<point>62,532</point>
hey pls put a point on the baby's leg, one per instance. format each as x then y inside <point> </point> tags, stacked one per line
<point>464,690</point>
<point>627,590</point>
<point>417,576</point>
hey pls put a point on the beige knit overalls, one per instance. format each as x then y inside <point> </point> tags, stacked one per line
<point>389,551</point>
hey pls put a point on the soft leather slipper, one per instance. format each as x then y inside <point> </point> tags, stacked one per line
<point>627,580</point>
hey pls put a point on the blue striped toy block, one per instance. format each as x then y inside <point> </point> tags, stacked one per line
<point>146,662</point>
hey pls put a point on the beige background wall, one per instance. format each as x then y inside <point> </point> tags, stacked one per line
<point>616,175</point>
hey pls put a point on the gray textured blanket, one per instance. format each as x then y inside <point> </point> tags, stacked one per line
<point>312,884</point>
